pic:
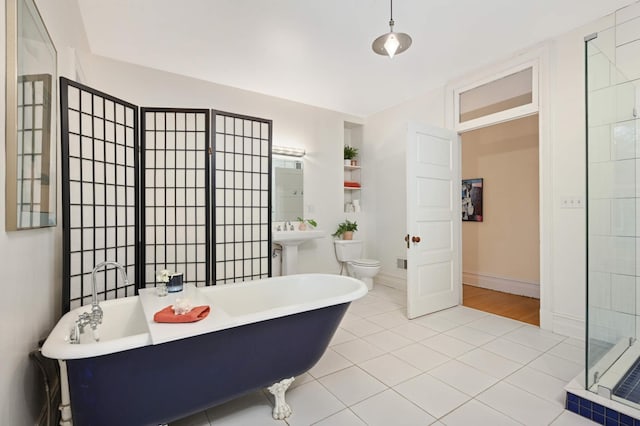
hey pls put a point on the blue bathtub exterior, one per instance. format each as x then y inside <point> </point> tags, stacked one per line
<point>158,384</point>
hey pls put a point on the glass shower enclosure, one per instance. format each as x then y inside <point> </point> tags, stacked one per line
<point>613,225</point>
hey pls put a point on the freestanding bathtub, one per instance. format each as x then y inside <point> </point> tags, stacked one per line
<point>141,373</point>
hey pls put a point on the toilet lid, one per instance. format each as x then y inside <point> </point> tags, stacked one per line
<point>366,262</point>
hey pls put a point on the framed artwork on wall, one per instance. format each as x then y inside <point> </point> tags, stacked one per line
<point>472,200</point>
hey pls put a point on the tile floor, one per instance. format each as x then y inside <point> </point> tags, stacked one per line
<point>455,367</point>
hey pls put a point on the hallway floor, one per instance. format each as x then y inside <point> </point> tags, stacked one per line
<point>521,308</point>
<point>460,366</point>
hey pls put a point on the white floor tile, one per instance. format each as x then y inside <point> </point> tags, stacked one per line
<point>391,351</point>
<point>435,323</point>
<point>539,383</point>
<point>567,418</point>
<point>198,419</point>
<point>414,332</point>
<point>390,319</point>
<point>519,405</point>
<point>330,362</point>
<point>385,305</point>
<point>447,345</point>
<point>420,356</point>
<point>301,380</point>
<point>495,325</point>
<point>352,385</point>
<point>534,337</point>
<point>343,418</point>
<point>389,408</point>
<point>365,310</point>
<point>341,335</point>
<point>430,394</point>
<point>389,369</point>
<point>388,341</point>
<point>361,327</point>
<point>569,352</point>
<point>473,336</point>
<point>254,408</point>
<point>512,350</point>
<point>460,315</point>
<point>489,363</point>
<point>357,350</point>
<point>556,367</point>
<point>462,377</point>
<point>476,413</point>
<point>311,403</point>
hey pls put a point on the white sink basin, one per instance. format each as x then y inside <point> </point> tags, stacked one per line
<point>290,240</point>
<point>293,238</point>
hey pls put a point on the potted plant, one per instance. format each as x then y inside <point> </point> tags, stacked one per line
<point>350,153</point>
<point>346,229</point>
<point>303,223</point>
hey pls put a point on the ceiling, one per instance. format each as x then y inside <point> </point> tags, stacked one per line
<point>319,52</point>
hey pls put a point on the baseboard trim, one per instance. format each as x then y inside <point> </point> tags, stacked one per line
<point>391,281</point>
<point>506,285</point>
<point>568,325</point>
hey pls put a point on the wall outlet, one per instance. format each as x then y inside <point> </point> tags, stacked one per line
<point>401,263</point>
<point>571,202</point>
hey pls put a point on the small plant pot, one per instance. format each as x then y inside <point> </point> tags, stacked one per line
<point>347,162</point>
<point>302,226</point>
<point>347,235</point>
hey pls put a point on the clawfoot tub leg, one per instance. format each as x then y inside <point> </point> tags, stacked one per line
<point>281,409</point>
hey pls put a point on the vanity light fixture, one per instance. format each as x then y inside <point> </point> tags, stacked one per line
<point>391,43</point>
<point>285,150</point>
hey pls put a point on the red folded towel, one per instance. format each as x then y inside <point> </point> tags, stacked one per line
<point>351,184</point>
<point>196,314</point>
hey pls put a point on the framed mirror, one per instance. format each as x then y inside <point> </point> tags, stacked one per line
<point>288,195</point>
<point>31,118</point>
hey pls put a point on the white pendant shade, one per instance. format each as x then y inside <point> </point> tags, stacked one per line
<point>391,43</point>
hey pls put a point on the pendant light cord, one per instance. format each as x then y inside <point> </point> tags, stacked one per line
<point>391,23</point>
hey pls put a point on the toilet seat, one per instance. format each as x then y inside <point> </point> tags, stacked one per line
<point>366,262</point>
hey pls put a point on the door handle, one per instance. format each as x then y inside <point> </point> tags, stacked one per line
<point>406,239</point>
<point>415,239</point>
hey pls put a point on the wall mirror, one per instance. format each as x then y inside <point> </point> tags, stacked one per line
<point>287,187</point>
<point>31,81</point>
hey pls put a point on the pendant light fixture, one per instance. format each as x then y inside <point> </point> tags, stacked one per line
<point>391,43</point>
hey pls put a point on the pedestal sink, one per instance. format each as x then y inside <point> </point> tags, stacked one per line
<point>290,240</point>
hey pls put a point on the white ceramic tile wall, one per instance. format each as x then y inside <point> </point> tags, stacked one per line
<point>474,368</point>
<point>614,184</point>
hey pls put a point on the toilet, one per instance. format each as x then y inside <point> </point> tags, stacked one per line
<point>349,252</point>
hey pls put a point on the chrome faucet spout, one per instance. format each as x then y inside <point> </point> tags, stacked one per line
<point>94,317</point>
<point>94,300</point>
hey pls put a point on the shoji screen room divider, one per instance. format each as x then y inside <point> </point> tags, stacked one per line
<point>181,189</point>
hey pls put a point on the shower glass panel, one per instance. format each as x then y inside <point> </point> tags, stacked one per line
<point>612,200</point>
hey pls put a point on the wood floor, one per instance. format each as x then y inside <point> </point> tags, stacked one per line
<point>521,308</point>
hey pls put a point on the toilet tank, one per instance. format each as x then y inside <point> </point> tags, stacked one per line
<point>347,250</point>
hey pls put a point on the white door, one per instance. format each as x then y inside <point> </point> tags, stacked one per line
<point>433,220</point>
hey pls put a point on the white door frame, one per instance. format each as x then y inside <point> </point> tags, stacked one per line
<point>539,57</point>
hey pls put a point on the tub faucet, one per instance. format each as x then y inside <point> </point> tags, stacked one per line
<point>94,318</point>
<point>289,225</point>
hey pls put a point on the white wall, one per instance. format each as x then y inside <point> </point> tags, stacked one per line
<point>32,281</point>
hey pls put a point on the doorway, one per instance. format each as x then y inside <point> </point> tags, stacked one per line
<point>501,238</point>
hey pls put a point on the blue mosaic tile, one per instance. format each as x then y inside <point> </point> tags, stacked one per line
<point>626,420</point>
<point>611,413</point>
<point>598,413</point>
<point>573,406</point>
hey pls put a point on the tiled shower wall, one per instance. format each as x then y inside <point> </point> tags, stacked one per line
<point>613,64</point>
